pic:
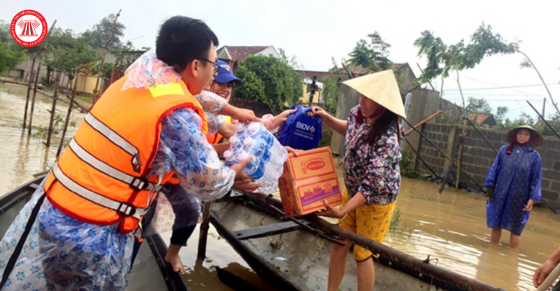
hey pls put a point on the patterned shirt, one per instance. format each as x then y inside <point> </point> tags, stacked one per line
<point>372,170</point>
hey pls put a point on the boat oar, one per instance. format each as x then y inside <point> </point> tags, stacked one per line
<point>549,281</point>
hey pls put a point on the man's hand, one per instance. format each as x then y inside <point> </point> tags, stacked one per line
<point>542,272</point>
<point>238,168</point>
<point>244,185</point>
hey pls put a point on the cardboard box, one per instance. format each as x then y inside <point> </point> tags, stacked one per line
<point>307,180</point>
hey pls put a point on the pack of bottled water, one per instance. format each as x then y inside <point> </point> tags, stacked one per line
<point>269,156</point>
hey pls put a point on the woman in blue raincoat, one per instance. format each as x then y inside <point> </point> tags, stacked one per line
<point>514,183</point>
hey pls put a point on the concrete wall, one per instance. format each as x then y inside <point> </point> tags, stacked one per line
<point>478,156</point>
<point>347,99</point>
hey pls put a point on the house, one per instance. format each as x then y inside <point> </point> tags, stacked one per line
<point>480,119</point>
<point>232,54</point>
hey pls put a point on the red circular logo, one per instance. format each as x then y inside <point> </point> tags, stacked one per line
<point>28,28</point>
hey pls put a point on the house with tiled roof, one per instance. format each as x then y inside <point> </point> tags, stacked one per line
<point>238,54</point>
<point>480,119</point>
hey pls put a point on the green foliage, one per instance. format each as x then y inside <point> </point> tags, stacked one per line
<point>395,226</point>
<point>327,136</point>
<point>443,58</point>
<point>373,56</point>
<point>448,117</point>
<point>9,58</point>
<point>269,80</point>
<point>478,105</point>
<point>406,167</point>
<point>98,35</point>
<point>68,52</point>
<point>331,88</point>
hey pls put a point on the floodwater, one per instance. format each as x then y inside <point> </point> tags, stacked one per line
<point>449,227</point>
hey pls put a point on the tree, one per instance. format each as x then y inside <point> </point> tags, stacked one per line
<point>69,53</point>
<point>9,58</point>
<point>98,35</point>
<point>480,106</point>
<point>269,80</point>
<point>331,88</point>
<point>372,56</point>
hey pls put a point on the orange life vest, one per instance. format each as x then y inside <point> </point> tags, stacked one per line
<point>101,177</point>
<point>216,137</point>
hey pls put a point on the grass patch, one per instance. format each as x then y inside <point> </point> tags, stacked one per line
<point>407,170</point>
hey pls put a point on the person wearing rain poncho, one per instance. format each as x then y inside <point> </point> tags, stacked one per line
<point>146,127</point>
<point>514,184</point>
<point>371,171</point>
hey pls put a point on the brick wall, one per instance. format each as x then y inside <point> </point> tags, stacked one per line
<point>478,156</point>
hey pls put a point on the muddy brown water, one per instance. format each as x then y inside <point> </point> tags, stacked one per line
<point>449,227</point>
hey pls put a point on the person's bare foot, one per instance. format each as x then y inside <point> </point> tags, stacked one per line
<point>173,258</point>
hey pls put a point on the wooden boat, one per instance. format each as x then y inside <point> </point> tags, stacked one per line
<point>144,275</point>
<point>293,254</point>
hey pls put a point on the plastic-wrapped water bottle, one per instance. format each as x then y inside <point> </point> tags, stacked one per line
<point>268,155</point>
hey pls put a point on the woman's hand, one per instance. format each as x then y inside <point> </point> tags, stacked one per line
<point>280,118</point>
<point>331,211</point>
<point>243,115</point>
<point>292,151</point>
<point>542,272</point>
<point>529,205</point>
<point>318,111</point>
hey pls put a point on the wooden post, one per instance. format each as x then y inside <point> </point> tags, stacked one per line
<point>419,157</point>
<point>422,122</point>
<point>37,76</point>
<point>477,130</point>
<point>53,108</point>
<point>543,106</point>
<point>461,137</point>
<point>443,153</point>
<point>204,226</point>
<point>545,122</point>
<point>96,89</point>
<point>29,91</point>
<point>68,113</point>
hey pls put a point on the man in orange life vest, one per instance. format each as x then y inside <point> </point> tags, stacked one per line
<point>146,127</point>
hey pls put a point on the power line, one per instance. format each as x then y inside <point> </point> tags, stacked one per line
<point>498,88</point>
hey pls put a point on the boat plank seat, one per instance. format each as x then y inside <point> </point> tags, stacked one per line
<point>266,230</point>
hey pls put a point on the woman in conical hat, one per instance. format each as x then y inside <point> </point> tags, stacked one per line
<point>514,183</point>
<point>371,171</point>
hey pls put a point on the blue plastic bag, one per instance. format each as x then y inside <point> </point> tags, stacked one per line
<point>301,131</point>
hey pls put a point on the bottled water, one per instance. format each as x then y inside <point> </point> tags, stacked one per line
<point>269,156</point>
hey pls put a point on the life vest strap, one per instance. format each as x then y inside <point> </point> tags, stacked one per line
<point>134,182</point>
<point>116,139</point>
<point>122,208</point>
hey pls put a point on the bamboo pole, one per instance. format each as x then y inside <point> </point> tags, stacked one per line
<point>96,89</point>
<point>53,108</point>
<point>425,268</point>
<point>68,114</point>
<point>204,227</point>
<point>29,91</point>
<point>422,122</point>
<point>37,75</point>
<point>420,158</point>
<point>422,71</point>
<point>477,130</point>
<point>443,153</point>
<point>542,117</point>
<point>542,80</point>
<point>461,138</point>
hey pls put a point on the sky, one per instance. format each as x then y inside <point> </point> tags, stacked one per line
<point>315,32</point>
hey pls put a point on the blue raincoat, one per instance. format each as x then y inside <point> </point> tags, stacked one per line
<point>515,179</point>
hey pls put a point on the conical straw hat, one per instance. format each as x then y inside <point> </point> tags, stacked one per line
<point>537,141</point>
<point>382,88</point>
